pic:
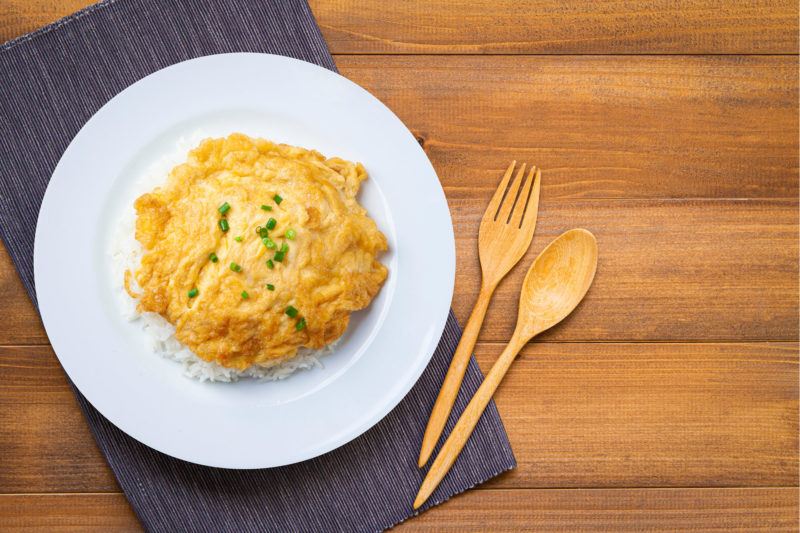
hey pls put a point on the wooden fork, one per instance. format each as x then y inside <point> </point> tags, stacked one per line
<point>505,233</point>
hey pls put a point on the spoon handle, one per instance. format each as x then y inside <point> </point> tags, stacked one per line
<point>455,375</point>
<point>468,420</point>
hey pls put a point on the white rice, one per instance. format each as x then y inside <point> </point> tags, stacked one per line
<point>125,253</point>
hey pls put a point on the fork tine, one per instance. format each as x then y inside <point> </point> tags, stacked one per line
<point>508,202</point>
<point>529,221</point>
<point>494,203</point>
<point>522,201</point>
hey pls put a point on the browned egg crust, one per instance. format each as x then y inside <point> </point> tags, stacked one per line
<point>330,269</point>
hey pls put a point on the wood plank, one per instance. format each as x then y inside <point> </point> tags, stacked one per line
<point>650,415</point>
<point>61,513</point>
<point>600,127</point>
<point>552,26</point>
<point>578,415</point>
<point>517,27</point>
<point>613,510</point>
<point>678,270</point>
<point>739,509</point>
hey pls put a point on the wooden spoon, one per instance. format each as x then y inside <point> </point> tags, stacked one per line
<point>555,284</point>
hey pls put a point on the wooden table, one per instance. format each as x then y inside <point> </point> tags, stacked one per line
<point>669,128</point>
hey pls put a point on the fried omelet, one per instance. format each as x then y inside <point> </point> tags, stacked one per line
<point>253,250</point>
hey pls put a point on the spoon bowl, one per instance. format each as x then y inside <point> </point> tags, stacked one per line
<point>557,281</point>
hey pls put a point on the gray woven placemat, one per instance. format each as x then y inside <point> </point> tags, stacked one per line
<point>51,82</point>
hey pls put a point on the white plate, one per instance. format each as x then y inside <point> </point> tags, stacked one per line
<point>247,424</point>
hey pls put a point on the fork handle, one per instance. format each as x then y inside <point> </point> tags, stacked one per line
<point>455,375</point>
<point>469,419</point>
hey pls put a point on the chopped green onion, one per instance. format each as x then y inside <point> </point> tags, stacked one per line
<point>284,247</point>
<point>270,287</point>
<point>235,267</point>
<point>266,207</point>
<point>213,257</point>
<point>224,208</point>
<point>290,234</point>
<point>245,296</point>
<point>277,199</point>
<point>301,324</point>
<point>223,225</point>
<point>271,223</point>
<point>279,256</point>
<point>269,243</point>
<point>194,292</point>
<point>263,233</point>
<point>238,239</point>
<point>270,264</point>
<point>291,311</point>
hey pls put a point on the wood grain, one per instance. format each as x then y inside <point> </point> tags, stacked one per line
<point>518,27</point>
<point>18,17</point>
<point>61,513</point>
<point>578,415</point>
<point>553,26</point>
<point>650,415</point>
<point>600,127</point>
<point>746,509</point>
<point>614,510</point>
<point>672,270</point>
